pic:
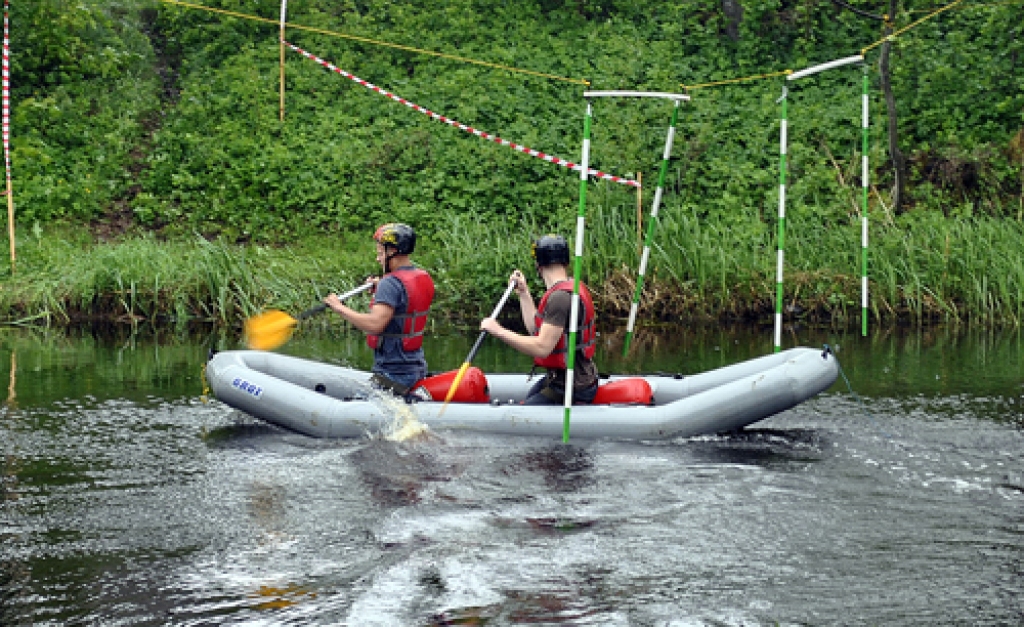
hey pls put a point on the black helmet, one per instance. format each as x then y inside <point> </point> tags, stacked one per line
<point>551,249</point>
<point>399,236</point>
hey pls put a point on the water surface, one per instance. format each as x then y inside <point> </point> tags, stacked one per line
<point>895,498</point>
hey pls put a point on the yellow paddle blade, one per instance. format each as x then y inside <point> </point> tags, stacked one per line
<point>455,386</point>
<point>269,330</point>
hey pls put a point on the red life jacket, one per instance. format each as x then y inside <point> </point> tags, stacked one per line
<point>586,338</point>
<point>419,289</point>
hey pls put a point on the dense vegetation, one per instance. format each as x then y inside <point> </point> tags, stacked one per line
<point>136,116</point>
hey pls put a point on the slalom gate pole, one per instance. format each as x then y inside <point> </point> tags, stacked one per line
<point>570,360</point>
<point>7,132</point>
<point>782,182</point>
<point>655,206</point>
<point>284,13</point>
<point>864,210</point>
<point>656,203</point>
<point>639,214</point>
<point>781,255</point>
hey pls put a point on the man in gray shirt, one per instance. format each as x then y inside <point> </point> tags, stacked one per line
<point>548,325</point>
<point>397,318</point>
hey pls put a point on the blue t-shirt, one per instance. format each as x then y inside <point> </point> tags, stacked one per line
<point>389,359</point>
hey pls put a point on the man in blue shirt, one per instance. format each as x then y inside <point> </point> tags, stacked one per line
<point>397,318</point>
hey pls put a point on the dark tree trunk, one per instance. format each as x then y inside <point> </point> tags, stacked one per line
<point>734,12</point>
<point>899,162</point>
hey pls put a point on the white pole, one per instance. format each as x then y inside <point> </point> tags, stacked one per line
<point>570,359</point>
<point>780,263</point>
<point>864,209</point>
<point>284,13</point>
<point>824,66</point>
<point>7,135</point>
<point>634,94</point>
<point>782,187</point>
<point>651,224</point>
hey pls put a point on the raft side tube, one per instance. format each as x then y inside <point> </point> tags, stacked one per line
<point>282,390</point>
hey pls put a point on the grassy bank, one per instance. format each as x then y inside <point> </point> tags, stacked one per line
<point>922,269</point>
<point>164,121</point>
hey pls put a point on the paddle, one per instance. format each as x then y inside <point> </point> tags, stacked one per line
<point>273,328</point>
<point>476,347</point>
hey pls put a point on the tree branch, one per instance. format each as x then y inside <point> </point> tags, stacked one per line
<point>840,3</point>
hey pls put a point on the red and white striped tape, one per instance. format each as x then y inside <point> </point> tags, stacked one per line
<point>468,129</point>
<point>7,98</point>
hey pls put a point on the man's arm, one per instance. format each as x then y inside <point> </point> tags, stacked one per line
<point>372,322</point>
<point>539,345</point>
<point>526,306</point>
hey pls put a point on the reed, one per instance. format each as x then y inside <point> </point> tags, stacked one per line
<point>921,269</point>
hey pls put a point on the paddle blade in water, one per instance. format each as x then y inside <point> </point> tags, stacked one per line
<point>269,330</point>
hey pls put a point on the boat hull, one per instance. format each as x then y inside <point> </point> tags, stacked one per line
<point>326,401</point>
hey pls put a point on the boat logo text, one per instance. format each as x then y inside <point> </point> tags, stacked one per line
<point>247,387</point>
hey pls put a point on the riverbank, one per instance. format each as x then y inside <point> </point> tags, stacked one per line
<point>922,268</point>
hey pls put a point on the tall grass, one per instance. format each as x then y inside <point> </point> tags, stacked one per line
<point>921,269</point>
<point>142,279</point>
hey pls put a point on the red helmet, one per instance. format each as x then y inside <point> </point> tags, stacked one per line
<point>399,236</point>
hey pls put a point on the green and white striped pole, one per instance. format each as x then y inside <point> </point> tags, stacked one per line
<point>782,183</point>
<point>655,206</point>
<point>581,224</point>
<point>669,139</point>
<point>570,361</point>
<point>864,211</point>
<point>781,255</point>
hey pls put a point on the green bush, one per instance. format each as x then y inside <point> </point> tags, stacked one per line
<point>169,115</point>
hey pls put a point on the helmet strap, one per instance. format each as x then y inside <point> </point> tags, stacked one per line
<point>387,260</point>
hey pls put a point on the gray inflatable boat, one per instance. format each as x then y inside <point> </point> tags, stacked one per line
<point>327,401</point>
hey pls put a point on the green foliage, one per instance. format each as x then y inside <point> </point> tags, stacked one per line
<point>61,43</point>
<point>170,116</point>
<point>82,86</point>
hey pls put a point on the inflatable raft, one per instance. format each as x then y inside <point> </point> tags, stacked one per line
<point>327,401</point>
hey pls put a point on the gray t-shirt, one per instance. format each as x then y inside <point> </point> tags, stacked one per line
<point>389,359</point>
<point>556,313</point>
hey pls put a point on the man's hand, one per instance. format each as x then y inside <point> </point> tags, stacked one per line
<point>522,288</point>
<point>490,325</point>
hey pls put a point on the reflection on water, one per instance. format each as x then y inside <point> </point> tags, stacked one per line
<point>762,447</point>
<point>565,468</point>
<point>395,473</point>
<point>125,499</point>
<point>12,386</point>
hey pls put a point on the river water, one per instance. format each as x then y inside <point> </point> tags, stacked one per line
<point>895,498</point>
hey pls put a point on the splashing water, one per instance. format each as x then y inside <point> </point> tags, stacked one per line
<point>402,424</point>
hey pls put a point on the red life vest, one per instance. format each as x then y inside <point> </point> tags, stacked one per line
<point>419,289</point>
<point>586,338</point>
